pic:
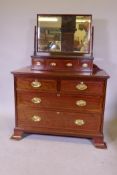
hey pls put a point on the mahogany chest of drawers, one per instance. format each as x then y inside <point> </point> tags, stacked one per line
<point>60,103</point>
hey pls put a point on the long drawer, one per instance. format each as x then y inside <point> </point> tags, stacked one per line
<point>34,118</point>
<point>57,101</point>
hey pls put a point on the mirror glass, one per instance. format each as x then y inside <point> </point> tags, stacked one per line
<point>64,33</point>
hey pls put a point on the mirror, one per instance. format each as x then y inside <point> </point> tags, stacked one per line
<point>64,33</point>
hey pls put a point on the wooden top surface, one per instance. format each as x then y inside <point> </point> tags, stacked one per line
<point>97,73</point>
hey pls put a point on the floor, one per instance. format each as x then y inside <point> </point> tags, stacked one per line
<point>50,155</point>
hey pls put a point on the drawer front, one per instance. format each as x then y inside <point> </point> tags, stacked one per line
<point>80,86</point>
<point>36,84</point>
<point>38,64</point>
<point>61,64</point>
<point>35,118</point>
<point>57,101</point>
<point>85,65</point>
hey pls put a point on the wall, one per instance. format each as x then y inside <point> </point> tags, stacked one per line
<point>17,20</point>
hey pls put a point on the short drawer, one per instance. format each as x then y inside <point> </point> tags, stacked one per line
<point>33,118</point>
<point>36,84</point>
<point>38,64</point>
<point>57,101</point>
<point>85,65</point>
<point>82,86</point>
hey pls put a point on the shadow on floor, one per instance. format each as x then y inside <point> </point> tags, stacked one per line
<point>111,129</point>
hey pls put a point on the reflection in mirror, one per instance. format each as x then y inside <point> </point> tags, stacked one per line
<point>64,33</point>
<point>49,33</point>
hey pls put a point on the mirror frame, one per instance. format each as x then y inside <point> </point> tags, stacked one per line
<point>38,52</point>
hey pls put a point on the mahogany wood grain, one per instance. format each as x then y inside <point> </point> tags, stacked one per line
<point>93,87</point>
<point>57,108</point>
<point>62,64</point>
<point>59,101</point>
<point>58,120</point>
<point>26,84</point>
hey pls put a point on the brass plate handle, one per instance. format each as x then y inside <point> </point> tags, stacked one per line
<point>36,118</point>
<point>69,64</point>
<point>36,100</point>
<point>53,64</point>
<point>79,122</point>
<point>81,86</point>
<point>81,103</point>
<point>36,84</point>
<point>85,65</point>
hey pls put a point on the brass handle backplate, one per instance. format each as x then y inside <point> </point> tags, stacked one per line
<point>36,118</point>
<point>81,103</point>
<point>79,122</point>
<point>81,86</point>
<point>36,84</point>
<point>36,100</point>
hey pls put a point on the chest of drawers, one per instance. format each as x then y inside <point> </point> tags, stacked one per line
<point>60,103</point>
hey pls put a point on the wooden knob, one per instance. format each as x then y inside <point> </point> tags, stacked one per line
<point>53,64</point>
<point>85,65</point>
<point>69,64</point>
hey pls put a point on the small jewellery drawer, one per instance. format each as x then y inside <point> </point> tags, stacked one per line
<point>82,86</point>
<point>36,84</point>
<point>58,101</point>
<point>58,119</point>
<point>38,64</point>
<point>85,65</point>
